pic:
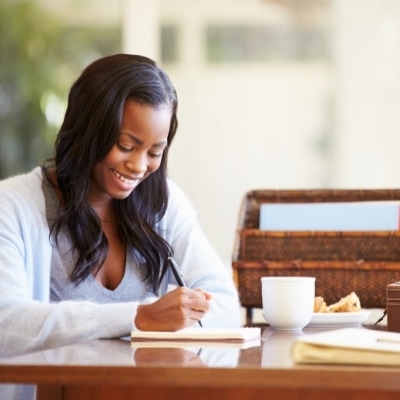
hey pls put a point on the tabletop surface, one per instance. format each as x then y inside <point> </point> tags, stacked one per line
<point>268,363</point>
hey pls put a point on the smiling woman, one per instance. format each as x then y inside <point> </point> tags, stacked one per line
<point>104,220</point>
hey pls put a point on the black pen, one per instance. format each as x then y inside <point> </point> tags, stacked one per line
<point>179,276</point>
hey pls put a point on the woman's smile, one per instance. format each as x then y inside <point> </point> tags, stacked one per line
<point>124,182</point>
<point>125,179</point>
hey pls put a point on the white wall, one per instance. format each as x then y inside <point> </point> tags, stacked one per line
<point>259,125</point>
<point>241,130</point>
<point>242,126</point>
<point>367,84</point>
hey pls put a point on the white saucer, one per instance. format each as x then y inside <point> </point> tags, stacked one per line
<point>340,319</point>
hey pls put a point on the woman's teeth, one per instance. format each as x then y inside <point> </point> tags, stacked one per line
<point>122,178</point>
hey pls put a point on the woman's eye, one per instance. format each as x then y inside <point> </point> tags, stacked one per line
<point>124,147</point>
<point>155,155</point>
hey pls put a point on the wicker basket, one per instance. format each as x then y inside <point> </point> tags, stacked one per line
<point>363,262</point>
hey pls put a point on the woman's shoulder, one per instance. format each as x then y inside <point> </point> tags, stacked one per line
<point>34,174</point>
<point>178,200</point>
<point>175,192</point>
<point>173,188</point>
<point>23,187</point>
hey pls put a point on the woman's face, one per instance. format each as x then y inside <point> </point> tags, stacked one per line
<point>136,154</point>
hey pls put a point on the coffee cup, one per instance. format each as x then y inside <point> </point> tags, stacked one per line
<point>288,301</point>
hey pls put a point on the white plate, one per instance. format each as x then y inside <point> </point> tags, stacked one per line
<point>340,319</point>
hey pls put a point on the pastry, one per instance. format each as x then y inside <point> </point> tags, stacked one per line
<point>349,303</point>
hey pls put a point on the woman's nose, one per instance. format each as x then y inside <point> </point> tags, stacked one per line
<point>137,163</point>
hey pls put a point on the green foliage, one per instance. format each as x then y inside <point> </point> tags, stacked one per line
<point>40,58</point>
<point>27,41</point>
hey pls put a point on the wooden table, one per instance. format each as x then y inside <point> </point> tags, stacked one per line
<point>112,369</point>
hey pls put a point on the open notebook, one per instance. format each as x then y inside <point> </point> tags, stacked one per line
<point>204,335</point>
<point>349,346</point>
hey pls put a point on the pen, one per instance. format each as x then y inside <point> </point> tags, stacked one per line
<point>179,276</point>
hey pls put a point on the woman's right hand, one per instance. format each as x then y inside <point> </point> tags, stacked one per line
<point>177,309</point>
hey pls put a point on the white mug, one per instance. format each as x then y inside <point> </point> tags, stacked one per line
<point>288,301</point>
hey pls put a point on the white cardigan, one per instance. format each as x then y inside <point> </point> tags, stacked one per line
<point>28,321</point>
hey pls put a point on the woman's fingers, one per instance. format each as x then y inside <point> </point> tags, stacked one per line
<point>177,309</point>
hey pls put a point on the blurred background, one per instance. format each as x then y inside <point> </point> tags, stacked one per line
<point>273,93</point>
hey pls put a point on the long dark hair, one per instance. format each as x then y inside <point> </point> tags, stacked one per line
<point>90,129</point>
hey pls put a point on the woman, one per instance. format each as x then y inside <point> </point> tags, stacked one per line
<point>86,239</point>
